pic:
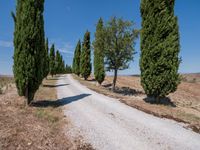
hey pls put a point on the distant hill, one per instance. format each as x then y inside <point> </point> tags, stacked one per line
<point>6,76</point>
<point>191,77</point>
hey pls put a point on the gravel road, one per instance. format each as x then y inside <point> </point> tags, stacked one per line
<point>108,124</point>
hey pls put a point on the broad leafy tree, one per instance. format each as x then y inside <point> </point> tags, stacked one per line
<point>160,48</point>
<point>119,45</point>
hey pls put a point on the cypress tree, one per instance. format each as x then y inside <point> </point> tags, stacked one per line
<point>77,58</point>
<point>73,63</point>
<point>68,69</point>
<point>85,57</point>
<point>52,60</point>
<point>99,47</point>
<point>28,47</point>
<point>46,68</point>
<point>57,62</point>
<point>160,48</point>
<point>62,65</point>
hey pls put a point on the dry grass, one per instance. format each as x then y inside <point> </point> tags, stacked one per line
<point>182,106</point>
<point>5,82</point>
<point>30,127</point>
<point>34,127</point>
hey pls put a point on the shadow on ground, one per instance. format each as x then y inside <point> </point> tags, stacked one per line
<point>164,101</point>
<point>91,80</point>
<point>60,102</point>
<point>127,91</point>
<point>56,78</point>
<point>54,86</point>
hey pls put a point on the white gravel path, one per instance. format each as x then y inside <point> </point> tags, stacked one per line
<point>108,124</point>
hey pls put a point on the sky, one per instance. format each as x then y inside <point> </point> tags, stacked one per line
<point>66,21</point>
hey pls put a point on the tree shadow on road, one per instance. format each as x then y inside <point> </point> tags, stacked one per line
<point>56,78</point>
<point>54,86</point>
<point>59,102</point>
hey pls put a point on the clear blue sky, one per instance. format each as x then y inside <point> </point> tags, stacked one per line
<point>67,20</point>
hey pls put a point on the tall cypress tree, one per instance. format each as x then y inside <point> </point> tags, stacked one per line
<point>52,60</point>
<point>29,47</point>
<point>62,65</point>
<point>160,48</point>
<point>46,59</point>
<point>99,47</point>
<point>77,58</point>
<point>57,62</point>
<point>86,57</point>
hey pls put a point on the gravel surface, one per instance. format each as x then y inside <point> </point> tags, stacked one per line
<point>108,124</point>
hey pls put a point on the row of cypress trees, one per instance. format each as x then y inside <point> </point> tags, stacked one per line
<point>32,62</point>
<point>113,49</point>
<point>82,57</point>
<point>56,62</point>
<point>160,47</point>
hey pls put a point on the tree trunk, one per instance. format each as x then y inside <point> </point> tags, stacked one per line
<point>158,100</point>
<point>114,80</point>
<point>27,96</point>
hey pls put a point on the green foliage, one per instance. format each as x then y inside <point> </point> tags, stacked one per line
<point>59,63</point>
<point>29,47</point>
<point>160,48</point>
<point>119,45</point>
<point>52,67</point>
<point>85,57</point>
<point>68,69</point>
<point>99,48</point>
<point>46,59</point>
<point>77,58</point>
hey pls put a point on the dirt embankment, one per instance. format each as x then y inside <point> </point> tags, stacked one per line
<point>36,127</point>
<point>182,106</point>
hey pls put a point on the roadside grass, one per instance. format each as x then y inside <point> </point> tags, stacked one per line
<point>47,115</point>
<point>34,128</point>
<point>174,108</point>
<point>50,114</point>
<point>5,83</point>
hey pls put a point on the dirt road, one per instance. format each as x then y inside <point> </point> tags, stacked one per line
<point>108,124</point>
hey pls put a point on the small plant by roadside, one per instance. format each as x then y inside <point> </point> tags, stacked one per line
<point>47,115</point>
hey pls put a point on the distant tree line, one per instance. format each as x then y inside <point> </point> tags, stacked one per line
<point>114,49</point>
<point>32,61</point>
